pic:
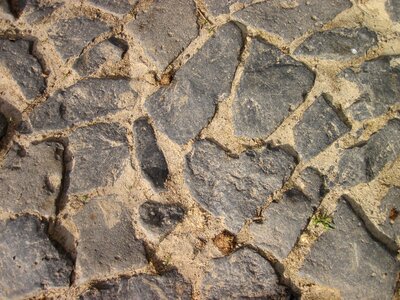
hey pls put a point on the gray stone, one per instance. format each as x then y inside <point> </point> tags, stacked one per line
<point>170,285</point>
<point>182,109</point>
<point>339,44</point>
<point>101,153</point>
<point>30,179</point>
<point>24,67</point>
<point>283,223</point>
<point>352,167</point>
<point>3,126</point>
<point>291,19</point>
<point>82,102</point>
<point>160,218</point>
<point>242,275</point>
<point>70,36</point>
<point>107,240</point>
<point>272,85</point>
<point>379,84</point>
<point>37,10</point>
<point>320,126</point>
<point>390,206</point>
<point>312,183</point>
<point>29,260</point>
<point>233,188</point>
<point>151,158</point>
<point>349,259</point>
<point>393,8</point>
<point>165,29</point>
<point>115,6</point>
<point>222,6</point>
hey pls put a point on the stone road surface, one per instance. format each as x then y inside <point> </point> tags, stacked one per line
<point>199,149</point>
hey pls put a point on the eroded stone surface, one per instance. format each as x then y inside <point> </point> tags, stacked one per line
<point>242,275</point>
<point>233,188</point>
<point>349,259</point>
<point>291,19</point>
<point>151,158</point>
<point>107,240</point>
<point>115,6</point>
<point>29,260</point>
<point>182,109</point>
<point>222,6</point>
<point>393,8</point>
<point>37,10</point>
<point>24,67</point>
<point>319,127</point>
<point>390,206</point>
<point>272,85</point>
<point>341,43</point>
<point>165,29</point>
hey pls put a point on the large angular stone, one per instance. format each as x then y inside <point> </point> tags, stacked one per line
<point>3,125</point>
<point>339,44</point>
<point>291,19</point>
<point>82,102</point>
<point>222,6</point>
<point>170,285</point>
<point>115,6</point>
<point>242,275</point>
<point>312,183</point>
<point>165,29</point>
<point>25,69</point>
<point>349,259</point>
<point>379,84</point>
<point>390,206</point>
<point>107,241</point>
<point>393,8</point>
<point>320,126</point>
<point>233,188</point>
<point>182,109</point>
<point>151,158</point>
<point>30,179</point>
<point>272,85</point>
<point>29,260</point>
<point>101,153</point>
<point>37,10</point>
<point>70,36</point>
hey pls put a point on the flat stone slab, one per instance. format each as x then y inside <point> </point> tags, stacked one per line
<point>29,260</point>
<point>119,7</point>
<point>242,275</point>
<point>350,260</point>
<point>233,188</point>
<point>37,10</point>
<point>222,6</point>
<point>273,84</point>
<point>312,183</point>
<point>183,108</point>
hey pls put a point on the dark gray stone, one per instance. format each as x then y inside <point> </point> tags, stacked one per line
<point>107,240</point>
<point>393,8</point>
<point>222,6</point>
<point>319,128</point>
<point>115,6</point>
<point>349,259</point>
<point>182,109</point>
<point>390,207</point>
<point>165,29</point>
<point>352,167</point>
<point>242,275</point>
<point>379,84</point>
<point>3,126</point>
<point>30,179</point>
<point>291,19</point>
<point>339,44</point>
<point>70,36</point>
<point>82,102</point>
<point>170,285</point>
<point>233,188</point>
<point>151,158</point>
<point>37,10</point>
<point>272,85</point>
<point>312,183</point>
<point>29,261</point>
<point>160,218</point>
<point>25,69</point>
<point>101,153</point>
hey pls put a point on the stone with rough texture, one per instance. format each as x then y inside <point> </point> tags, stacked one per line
<point>115,6</point>
<point>170,285</point>
<point>30,179</point>
<point>390,207</point>
<point>272,85</point>
<point>291,19</point>
<point>393,8</point>
<point>349,259</point>
<point>222,6</point>
<point>37,10</point>
<point>233,188</point>
<point>82,102</point>
<point>101,153</point>
<point>70,36</point>
<point>182,109</point>
<point>338,44</point>
<point>312,183</point>
<point>3,126</point>
<point>165,29</point>
<point>242,275</point>
<point>107,241</point>
<point>319,127</point>
<point>150,156</point>
<point>29,260</point>
<point>379,84</point>
<point>23,66</point>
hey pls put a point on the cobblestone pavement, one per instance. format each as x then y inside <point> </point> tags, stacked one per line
<point>199,149</point>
